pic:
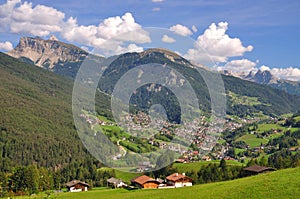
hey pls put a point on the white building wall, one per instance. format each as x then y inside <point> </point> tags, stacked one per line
<point>183,184</point>
<point>72,189</point>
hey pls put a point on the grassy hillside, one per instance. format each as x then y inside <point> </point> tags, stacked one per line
<point>278,184</point>
<point>195,166</point>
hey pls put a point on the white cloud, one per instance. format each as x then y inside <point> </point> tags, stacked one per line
<point>264,68</point>
<point>23,18</point>
<point>290,73</point>
<point>123,28</point>
<point>181,30</point>
<point>194,28</point>
<point>129,48</point>
<point>6,46</point>
<point>215,45</point>
<point>167,39</point>
<point>157,1</point>
<point>238,66</point>
<point>110,36</point>
<point>5,9</point>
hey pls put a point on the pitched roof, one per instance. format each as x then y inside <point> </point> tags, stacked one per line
<point>74,182</point>
<point>177,176</point>
<point>143,179</point>
<point>114,180</point>
<point>258,169</point>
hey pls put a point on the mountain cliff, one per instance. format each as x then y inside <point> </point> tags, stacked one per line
<point>51,54</point>
<point>261,77</point>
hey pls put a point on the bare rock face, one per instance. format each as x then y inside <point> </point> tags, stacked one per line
<point>261,77</point>
<point>47,53</point>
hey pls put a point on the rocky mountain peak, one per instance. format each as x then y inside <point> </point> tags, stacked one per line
<point>47,53</point>
<point>261,77</point>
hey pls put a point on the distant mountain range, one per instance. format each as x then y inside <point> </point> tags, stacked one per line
<point>267,78</point>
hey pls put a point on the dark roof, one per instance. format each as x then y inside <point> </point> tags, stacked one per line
<point>114,180</point>
<point>75,182</point>
<point>177,176</point>
<point>143,179</point>
<point>258,169</point>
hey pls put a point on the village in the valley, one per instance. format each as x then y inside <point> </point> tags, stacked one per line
<point>200,140</point>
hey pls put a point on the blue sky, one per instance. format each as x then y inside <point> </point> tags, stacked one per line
<point>269,31</point>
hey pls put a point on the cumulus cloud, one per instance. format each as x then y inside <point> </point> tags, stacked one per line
<point>109,36</point>
<point>290,73</point>
<point>215,45</point>
<point>23,18</point>
<point>6,46</point>
<point>181,30</point>
<point>168,39</point>
<point>238,66</point>
<point>157,1</point>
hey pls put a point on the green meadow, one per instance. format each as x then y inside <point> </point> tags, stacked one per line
<point>278,184</point>
<point>252,140</point>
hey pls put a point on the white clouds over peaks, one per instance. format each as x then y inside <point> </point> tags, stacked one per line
<point>264,68</point>
<point>24,18</point>
<point>215,45</point>
<point>290,73</point>
<point>6,46</point>
<point>239,66</point>
<point>181,30</point>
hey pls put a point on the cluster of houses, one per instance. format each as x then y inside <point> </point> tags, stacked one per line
<point>142,182</point>
<point>145,182</point>
<point>174,180</point>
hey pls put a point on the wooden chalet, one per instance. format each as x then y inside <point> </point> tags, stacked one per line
<point>179,180</point>
<point>77,186</point>
<point>256,169</point>
<point>145,182</point>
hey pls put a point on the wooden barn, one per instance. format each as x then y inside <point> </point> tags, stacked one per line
<point>145,182</point>
<point>77,186</point>
<point>179,180</point>
<point>256,169</point>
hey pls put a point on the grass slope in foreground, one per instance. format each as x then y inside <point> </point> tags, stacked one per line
<point>278,184</point>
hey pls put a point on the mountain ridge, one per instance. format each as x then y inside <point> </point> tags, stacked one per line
<point>124,62</point>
